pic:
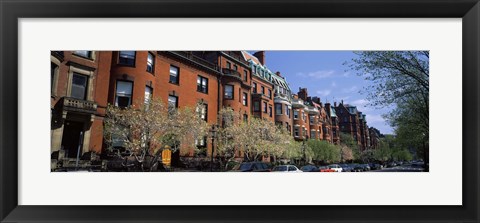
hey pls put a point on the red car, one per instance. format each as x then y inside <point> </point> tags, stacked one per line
<point>325,169</point>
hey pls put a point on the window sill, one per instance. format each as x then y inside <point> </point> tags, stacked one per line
<point>126,65</point>
<point>174,83</point>
<point>82,57</point>
<point>202,92</point>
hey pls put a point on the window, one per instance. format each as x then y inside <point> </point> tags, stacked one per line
<point>265,107</point>
<point>174,75</point>
<point>312,119</point>
<point>228,92</point>
<point>244,99</point>
<point>278,109</point>
<point>202,142</point>
<point>345,119</point>
<point>83,53</point>
<point>245,117</point>
<point>256,106</point>
<point>269,93</point>
<point>79,86</point>
<point>235,67</point>
<point>150,62</point>
<point>229,65</point>
<point>172,103</point>
<point>148,96</point>
<point>304,116</point>
<point>53,71</point>
<point>254,87</point>
<point>296,132</point>
<point>334,133</point>
<point>295,114</point>
<point>123,96</point>
<point>270,111</point>
<point>263,89</point>
<point>202,84</point>
<point>312,134</point>
<point>287,110</point>
<point>245,75</point>
<point>202,111</point>
<point>127,58</point>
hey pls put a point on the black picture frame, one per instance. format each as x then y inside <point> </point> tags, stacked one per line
<point>11,11</point>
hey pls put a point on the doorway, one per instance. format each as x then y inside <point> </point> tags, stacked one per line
<point>71,138</point>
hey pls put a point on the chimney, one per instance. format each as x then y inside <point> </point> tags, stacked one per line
<point>278,74</point>
<point>302,93</point>
<point>316,100</point>
<point>334,104</point>
<point>261,56</point>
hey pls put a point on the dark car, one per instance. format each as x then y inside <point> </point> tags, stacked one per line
<point>374,166</point>
<point>365,167</point>
<point>310,168</point>
<point>357,168</point>
<point>346,167</point>
<point>252,167</point>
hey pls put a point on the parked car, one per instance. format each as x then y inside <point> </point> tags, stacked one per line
<point>357,168</point>
<point>346,167</point>
<point>366,167</point>
<point>335,167</point>
<point>391,164</point>
<point>375,166</point>
<point>309,168</point>
<point>252,167</point>
<point>286,168</point>
<point>325,169</point>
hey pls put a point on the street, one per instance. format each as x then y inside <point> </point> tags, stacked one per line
<point>403,168</point>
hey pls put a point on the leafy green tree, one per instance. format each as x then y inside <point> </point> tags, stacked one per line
<point>399,79</point>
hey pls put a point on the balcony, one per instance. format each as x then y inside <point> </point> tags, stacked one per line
<point>78,105</point>
<point>193,58</point>
<point>231,72</point>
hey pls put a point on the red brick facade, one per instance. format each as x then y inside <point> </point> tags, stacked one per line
<point>85,82</point>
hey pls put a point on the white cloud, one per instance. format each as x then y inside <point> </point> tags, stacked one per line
<point>346,74</point>
<point>324,92</point>
<point>318,74</point>
<point>334,84</point>
<point>360,102</point>
<point>374,119</point>
<point>350,89</point>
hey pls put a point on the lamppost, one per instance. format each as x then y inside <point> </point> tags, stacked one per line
<point>214,135</point>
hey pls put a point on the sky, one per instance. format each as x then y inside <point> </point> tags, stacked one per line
<point>325,76</point>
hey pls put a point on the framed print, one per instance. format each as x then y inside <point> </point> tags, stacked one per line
<point>104,61</point>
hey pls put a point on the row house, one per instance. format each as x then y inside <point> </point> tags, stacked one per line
<point>322,126</point>
<point>375,136</point>
<point>78,100</point>
<point>349,121</point>
<point>85,82</point>
<point>262,86</point>
<point>364,133</point>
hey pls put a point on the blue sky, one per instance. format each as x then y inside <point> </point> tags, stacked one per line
<point>325,76</point>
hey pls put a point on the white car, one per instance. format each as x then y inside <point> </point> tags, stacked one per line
<point>286,168</point>
<point>336,167</point>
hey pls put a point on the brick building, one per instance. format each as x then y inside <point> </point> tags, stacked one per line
<point>79,90</point>
<point>262,86</point>
<point>348,120</point>
<point>85,82</point>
